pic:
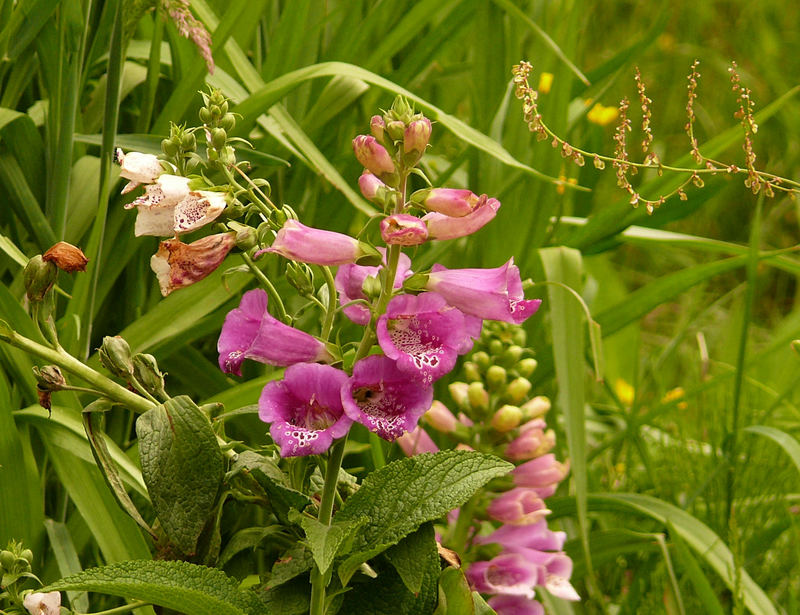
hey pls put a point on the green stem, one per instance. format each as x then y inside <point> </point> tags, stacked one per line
<point>153,73</point>
<point>325,514</point>
<point>330,312</point>
<point>120,609</point>
<point>66,361</point>
<point>277,302</point>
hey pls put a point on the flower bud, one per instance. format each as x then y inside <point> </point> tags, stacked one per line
<point>375,190</point>
<point>377,126</point>
<point>39,277</point>
<point>536,407</point>
<point>440,418</point>
<point>169,147</point>
<point>371,287</point>
<point>471,371</point>
<point>506,418</point>
<point>300,276</point>
<point>218,138</point>
<point>458,391</point>
<point>374,157</point>
<point>403,230</point>
<point>205,117</point>
<point>477,395</point>
<point>482,359</point>
<point>495,348</point>
<point>518,389</point>
<point>66,257</point>
<point>228,122</point>
<point>495,378</point>
<point>511,356</point>
<point>246,236</point>
<point>532,442</point>
<point>146,372</point>
<point>396,129</point>
<point>115,355</point>
<point>416,137</point>
<point>527,366</point>
<point>7,560</point>
<point>27,555</point>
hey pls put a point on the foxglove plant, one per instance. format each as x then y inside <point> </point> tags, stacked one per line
<point>404,329</point>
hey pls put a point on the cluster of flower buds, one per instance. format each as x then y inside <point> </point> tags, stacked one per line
<point>139,370</point>
<point>496,413</point>
<point>217,123</point>
<point>15,564</point>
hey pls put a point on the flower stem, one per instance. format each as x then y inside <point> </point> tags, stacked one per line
<point>330,312</point>
<point>324,517</point>
<point>120,609</point>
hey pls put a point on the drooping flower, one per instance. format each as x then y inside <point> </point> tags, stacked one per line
<point>423,334</point>
<point>543,474</point>
<point>505,604</point>
<point>167,190</point>
<point>251,332</point>
<point>39,603</point>
<point>178,264</point>
<point>302,243</point>
<point>403,230</point>
<point>138,168</point>
<point>67,257</point>
<point>492,294</point>
<point>374,190</point>
<point>305,409</point>
<point>416,442</point>
<point>350,281</point>
<point>373,156</point>
<point>508,573</point>
<point>518,506</point>
<point>453,202</point>
<point>448,227</point>
<point>384,399</point>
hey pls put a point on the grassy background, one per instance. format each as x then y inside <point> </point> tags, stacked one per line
<point>674,311</point>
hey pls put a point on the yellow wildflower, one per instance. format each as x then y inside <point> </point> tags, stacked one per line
<point>545,81</point>
<point>602,115</point>
<point>673,394</point>
<point>624,391</point>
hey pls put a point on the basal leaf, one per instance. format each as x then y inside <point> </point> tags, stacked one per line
<point>182,466</point>
<point>184,587</point>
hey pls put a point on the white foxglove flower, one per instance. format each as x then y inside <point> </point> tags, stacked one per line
<point>138,168</point>
<point>43,604</point>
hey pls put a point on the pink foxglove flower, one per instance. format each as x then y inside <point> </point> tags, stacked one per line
<point>377,126</point>
<point>508,573</point>
<point>373,156</point>
<point>505,604</point>
<point>448,227</point>
<point>374,190</point>
<point>492,294</point>
<point>416,136</point>
<point>39,603</point>
<point>302,243</point>
<point>138,168</point>
<point>416,442</point>
<point>384,399</point>
<point>533,441</point>
<point>536,536</point>
<point>251,332</point>
<point>440,418</point>
<point>403,230</point>
<point>422,334</point>
<point>350,281</point>
<point>519,506</point>
<point>543,474</point>
<point>305,409</point>
<point>178,264</point>
<point>453,202</point>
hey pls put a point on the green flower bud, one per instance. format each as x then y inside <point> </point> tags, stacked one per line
<point>495,378</point>
<point>535,408</point>
<point>518,389</point>
<point>506,418</point>
<point>188,142</point>
<point>7,559</point>
<point>371,287</point>
<point>145,369</point>
<point>205,115</point>
<point>519,337</point>
<point>227,156</point>
<point>169,147</point>
<point>396,129</point>
<point>39,277</point>
<point>495,348</point>
<point>246,236</point>
<point>527,366</point>
<point>228,122</point>
<point>511,356</point>
<point>482,359</point>
<point>301,277</point>
<point>27,555</point>
<point>216,112</point>
<point>218,138</point>
<point>471,371</point>
<point>477,395</point>
<point>22,565</point>
<point>458,391</point>
<point>115,355</point>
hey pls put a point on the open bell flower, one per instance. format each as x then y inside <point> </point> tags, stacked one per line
<point>350,282</point>
<point>453,202</point>
<point>491,294</point>
<point>423,334</point>
<point>178,264</point>
<point>519,506</point>
<point>505,604</point>
<point>251,332</point>
<point>138,168</point>
<point>536,536</point>
<point>383,399</point>
<point>304,409</point>
<point>39,603</point>
<point>403,230</point>
<point>543,474</point>
<point>441,226</point>
<point>305,244</point>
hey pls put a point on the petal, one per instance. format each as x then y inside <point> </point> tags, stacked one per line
<point>198,209</point>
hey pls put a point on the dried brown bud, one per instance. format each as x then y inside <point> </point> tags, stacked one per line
<point>49,378</point>
<point>66,257</point>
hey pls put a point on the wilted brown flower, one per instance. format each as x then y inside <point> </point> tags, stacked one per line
<point>179,264</point>
<point>66,257</point>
